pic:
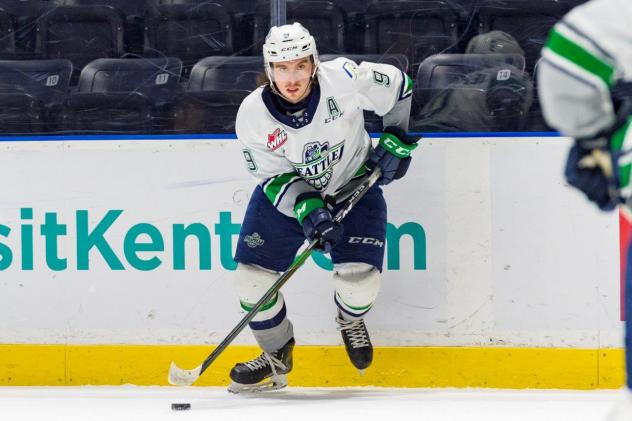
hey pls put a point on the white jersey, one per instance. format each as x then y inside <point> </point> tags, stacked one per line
<point>328,147</point>
<point>588,51</point>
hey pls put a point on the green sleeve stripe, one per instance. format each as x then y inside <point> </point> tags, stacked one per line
<point>247,306</point>
<point>619,137</point>
<point>578,55</point>
<point>303,208</point>
<point>273,187</point>
<point>361,171</point>
<point>624,175</point>
<point>409,85</point>
<point>395,146</point>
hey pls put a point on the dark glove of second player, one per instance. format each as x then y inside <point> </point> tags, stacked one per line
<point>584,172</point>
<point>392,154</point>
<point>317,222</point>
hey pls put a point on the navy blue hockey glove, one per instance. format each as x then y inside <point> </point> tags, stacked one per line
<point>317,222</point>
<point>392,154</point>
<point>593,163</point>
<point>589,171</point>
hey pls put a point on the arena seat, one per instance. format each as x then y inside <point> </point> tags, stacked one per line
<point>32,93</point>
<point>323,19</point>
<point>529,22</point>
<point>125,96</point>
<point>417,29</point>
<point>188,31</point>
<point>7,31</point>
<point>80,33</point>
<point>217,86</point>
<point>471,92</point>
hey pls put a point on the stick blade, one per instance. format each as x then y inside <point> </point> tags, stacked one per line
<point>180,377</point>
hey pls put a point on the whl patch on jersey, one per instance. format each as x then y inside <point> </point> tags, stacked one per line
<point>318,163</point>
<point>276,139</point>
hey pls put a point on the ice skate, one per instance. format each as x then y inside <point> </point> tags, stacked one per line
<point>266,372</point>
<point>357,342</point>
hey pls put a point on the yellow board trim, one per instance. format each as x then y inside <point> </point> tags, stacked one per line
<point>322,366</point>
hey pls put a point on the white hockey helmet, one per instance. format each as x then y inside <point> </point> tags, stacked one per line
<point>288,42</point>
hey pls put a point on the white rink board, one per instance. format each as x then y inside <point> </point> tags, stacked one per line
<point>513,256</point>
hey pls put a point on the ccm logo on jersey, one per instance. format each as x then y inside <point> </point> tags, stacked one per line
<point>366,240</point>
<point>276,139</point>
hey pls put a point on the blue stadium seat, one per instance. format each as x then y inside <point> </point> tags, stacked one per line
<point>188,31</point>
<point>80,33</point>
<point>441,70</point>
<point>32,93</point>
<point>132,11</point>
<point>25,13</point>
<point>323,19</point>
<point>471,92</point>
<point>529,22</point>
<point>125,96</point>
<point>7,34</point>
<point>216,88</point>
<point>417,29</point>
<point>242,13</point>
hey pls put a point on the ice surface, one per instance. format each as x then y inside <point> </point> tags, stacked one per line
<point>301,404</point>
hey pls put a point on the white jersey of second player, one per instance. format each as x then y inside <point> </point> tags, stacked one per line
<point>328,145</point>
<point>588,51</point>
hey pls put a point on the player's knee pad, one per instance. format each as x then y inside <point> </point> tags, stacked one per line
<point>357,286</point>
<point>252,282</point>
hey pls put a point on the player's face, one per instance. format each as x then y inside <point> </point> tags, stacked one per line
<point>293,77</point>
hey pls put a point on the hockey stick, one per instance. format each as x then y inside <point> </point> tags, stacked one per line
<point>181,377</point>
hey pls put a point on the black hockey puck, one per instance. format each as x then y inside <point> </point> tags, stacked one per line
<point>180,406</point>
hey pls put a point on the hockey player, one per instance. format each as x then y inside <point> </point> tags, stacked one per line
<point>582,78</point>
<point>303,139</point>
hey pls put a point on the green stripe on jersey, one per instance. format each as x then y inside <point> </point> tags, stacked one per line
<point>624,175</point>
<point>247,306</point>
<point>305,207</point>
<point>562,46</point>
<point>619,137</point>
<point>409,85</point>
<point>274,186</point>
<point>361,171</point>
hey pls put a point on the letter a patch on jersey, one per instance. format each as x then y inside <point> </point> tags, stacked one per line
<point>333,109</point>
<point>276,139</point>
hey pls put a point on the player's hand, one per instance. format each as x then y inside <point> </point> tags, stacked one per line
<point>317,222</point>
<point>591,170</point>
<point>593,163</point>
<point>392,154</point>
<point>319,225</point>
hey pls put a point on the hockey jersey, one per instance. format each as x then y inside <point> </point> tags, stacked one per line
<point>587,53</point>
<point>329,145</point>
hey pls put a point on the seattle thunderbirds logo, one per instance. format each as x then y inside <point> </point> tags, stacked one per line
<point>254,240</point>
<point>318,162</point>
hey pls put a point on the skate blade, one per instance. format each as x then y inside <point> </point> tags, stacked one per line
<point>273,383</point>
